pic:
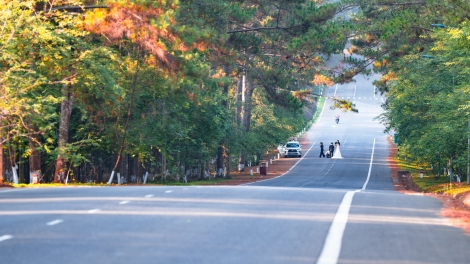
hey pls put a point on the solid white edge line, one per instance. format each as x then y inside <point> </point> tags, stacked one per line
<point>93,211</point>
<point>370,167</point>
<point>322,110</point>
<point>55,222</point>
<point>332,247</point>
<point>5,237</point>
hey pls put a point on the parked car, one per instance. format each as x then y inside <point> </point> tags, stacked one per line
<point>293,149</point>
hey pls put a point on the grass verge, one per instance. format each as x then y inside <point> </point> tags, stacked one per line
<point>430,183</point>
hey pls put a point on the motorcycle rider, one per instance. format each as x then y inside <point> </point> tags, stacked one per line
<point>337,118</point>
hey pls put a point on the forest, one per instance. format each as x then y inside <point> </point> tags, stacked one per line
<point>93,91</point>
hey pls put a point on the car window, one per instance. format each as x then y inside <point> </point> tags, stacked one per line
<point>292,145</point>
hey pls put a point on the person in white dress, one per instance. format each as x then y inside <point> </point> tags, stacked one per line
<point>337,153</point>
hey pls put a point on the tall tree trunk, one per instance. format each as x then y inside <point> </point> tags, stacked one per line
<point>221,148</point>
<point>240,98</point>
<point>123,139</point>
<point>246,116</point>
<point>34,159</point>
<point>65,114</point>
<point>2,168</point>
<point>248,104</point>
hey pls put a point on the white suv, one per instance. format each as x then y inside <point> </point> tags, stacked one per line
<point>292,148</point>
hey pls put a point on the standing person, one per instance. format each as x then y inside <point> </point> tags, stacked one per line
<point>337,144</point>
<point>337,154</point>
<point>321,150</point>
<point>331,149</point>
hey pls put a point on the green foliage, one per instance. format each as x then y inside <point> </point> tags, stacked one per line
<point>162,82</point>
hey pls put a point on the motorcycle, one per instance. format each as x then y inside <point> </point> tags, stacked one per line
<point>337,120</point>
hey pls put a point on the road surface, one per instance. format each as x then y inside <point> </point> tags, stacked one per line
<point>321,211</point>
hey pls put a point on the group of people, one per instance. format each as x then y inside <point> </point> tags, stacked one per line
<point>333,150</point>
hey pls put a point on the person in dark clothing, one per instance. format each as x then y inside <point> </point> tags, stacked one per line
<point>331,149</point>
<point>321,150</point>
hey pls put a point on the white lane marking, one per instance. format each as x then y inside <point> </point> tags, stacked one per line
<point>370,167</point>
<point>55,222</point>
<point>355,90</point>
<point>93,211</point>
<point>335,90</point>
<point>5,237</point>
<point>148,195</point>
<point>124,202</point>
<point>332,246</point>
<point>169,191</point>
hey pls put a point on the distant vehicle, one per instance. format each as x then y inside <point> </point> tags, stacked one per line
<point>293,149</point>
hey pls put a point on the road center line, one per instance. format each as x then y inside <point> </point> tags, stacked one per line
<point>148,195</point>
<point>332,246</point>
<point>124,202</point>
<point>370,167</point>
<point>55,222</point>
<point>5,237</point>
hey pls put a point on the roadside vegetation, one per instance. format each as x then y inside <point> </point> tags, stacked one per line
<point>421,51</point>
<point>124,91</point>
<point>432,181</point>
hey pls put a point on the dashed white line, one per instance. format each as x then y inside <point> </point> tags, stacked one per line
<point>148,195</point>
<point>55,222</point>
<point>124,202</point>
<point>169,191</point>
<point>93,211</point>
<point>5,237</point>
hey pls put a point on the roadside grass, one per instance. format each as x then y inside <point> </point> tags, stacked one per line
<point>212,181</point>
<point>430,183</point>
<point>192,183</point>
<point>45,185</point>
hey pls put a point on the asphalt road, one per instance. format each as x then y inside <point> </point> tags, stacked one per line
<point>321,211</point>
